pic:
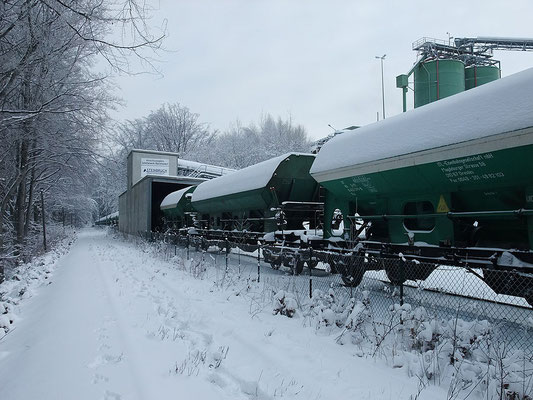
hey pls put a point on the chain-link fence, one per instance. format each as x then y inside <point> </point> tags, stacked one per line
<point>444,292</point>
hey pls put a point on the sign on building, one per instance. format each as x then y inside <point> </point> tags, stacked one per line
<point>155,166</point>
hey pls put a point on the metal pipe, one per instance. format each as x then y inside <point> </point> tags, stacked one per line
<point>438,83</point>
<point>429,82</point>
<point>467,214</point>
<point>382,83</point>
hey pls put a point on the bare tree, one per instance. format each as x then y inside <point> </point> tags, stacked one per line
<point>172,127</point>
<point>52,103</point>
<point>242,146</point>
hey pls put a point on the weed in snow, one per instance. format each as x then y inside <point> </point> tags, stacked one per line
<point>197,359</point>
<point>284,304</point>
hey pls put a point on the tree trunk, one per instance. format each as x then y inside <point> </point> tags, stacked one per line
<point>30,203</point>
<point>2,230</point>
<point>4,207</point>
<point>20,208</point>
<point>20,205</point>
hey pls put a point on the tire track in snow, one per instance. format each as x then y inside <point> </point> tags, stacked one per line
<point>114,334</point>
<point>128,280</point>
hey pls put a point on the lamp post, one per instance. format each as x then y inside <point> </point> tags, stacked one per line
<point>382,84</point>
<point>450,37</point>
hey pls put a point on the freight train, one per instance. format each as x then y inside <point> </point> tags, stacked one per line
<point>449,183</point>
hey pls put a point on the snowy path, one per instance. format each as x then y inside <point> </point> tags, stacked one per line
<point>118,324</point>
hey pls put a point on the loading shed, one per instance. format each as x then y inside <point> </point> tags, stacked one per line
<point>151,175</point>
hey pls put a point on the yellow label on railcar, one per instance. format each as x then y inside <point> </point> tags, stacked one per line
<point>442,207</point>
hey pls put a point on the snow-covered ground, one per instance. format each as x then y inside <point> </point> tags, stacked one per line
<point>111,320</point>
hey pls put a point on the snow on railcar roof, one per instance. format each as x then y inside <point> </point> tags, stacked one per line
<point>172,199</point>
<point>501,106</point>
<point>109,216</point>
<point>253,177</point>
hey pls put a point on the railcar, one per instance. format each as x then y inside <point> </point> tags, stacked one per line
<point>241,207</point>
<point>177,209</point>
<point>447,183</point>
<point>111,219</point>
<point>248,203</point>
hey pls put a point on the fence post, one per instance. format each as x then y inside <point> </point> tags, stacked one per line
<point>188,243</point>
<point>351,260</point>
<point>258,262</point>
<point>310,272</point>
<point>402,278</point>
<point>44,222</point>
<point>227,253</point>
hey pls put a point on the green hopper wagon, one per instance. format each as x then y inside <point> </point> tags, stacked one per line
<point>177,209</point>
<point>451,182</point>
<point>252,199</point>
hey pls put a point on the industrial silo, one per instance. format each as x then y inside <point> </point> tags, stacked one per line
<point>437,79</point>
<point>479,75</point>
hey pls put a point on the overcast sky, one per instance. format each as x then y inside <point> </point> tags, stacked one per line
<point>312,60</point>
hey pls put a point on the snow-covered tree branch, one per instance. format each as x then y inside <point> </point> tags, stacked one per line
<point>53,104</point>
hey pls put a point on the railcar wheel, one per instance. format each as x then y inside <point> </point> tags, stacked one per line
<point>298,267</point>
<point>295,265</point>
<point>275,265</point>
<point>394,273</point>
<point>351,275</point>
<point>197,246</point>
<point>266,257</point>
<point>353,278</point>
<point>333,268</point>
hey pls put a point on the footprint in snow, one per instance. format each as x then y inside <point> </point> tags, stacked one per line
<point>108,395</point>
<point>98,378</point>
<point>105,359</point>
<point>103,346</point>
<point>217,380</point>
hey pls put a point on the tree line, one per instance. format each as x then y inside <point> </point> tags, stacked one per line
<point>56,135</point>
<point>174,128</point>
